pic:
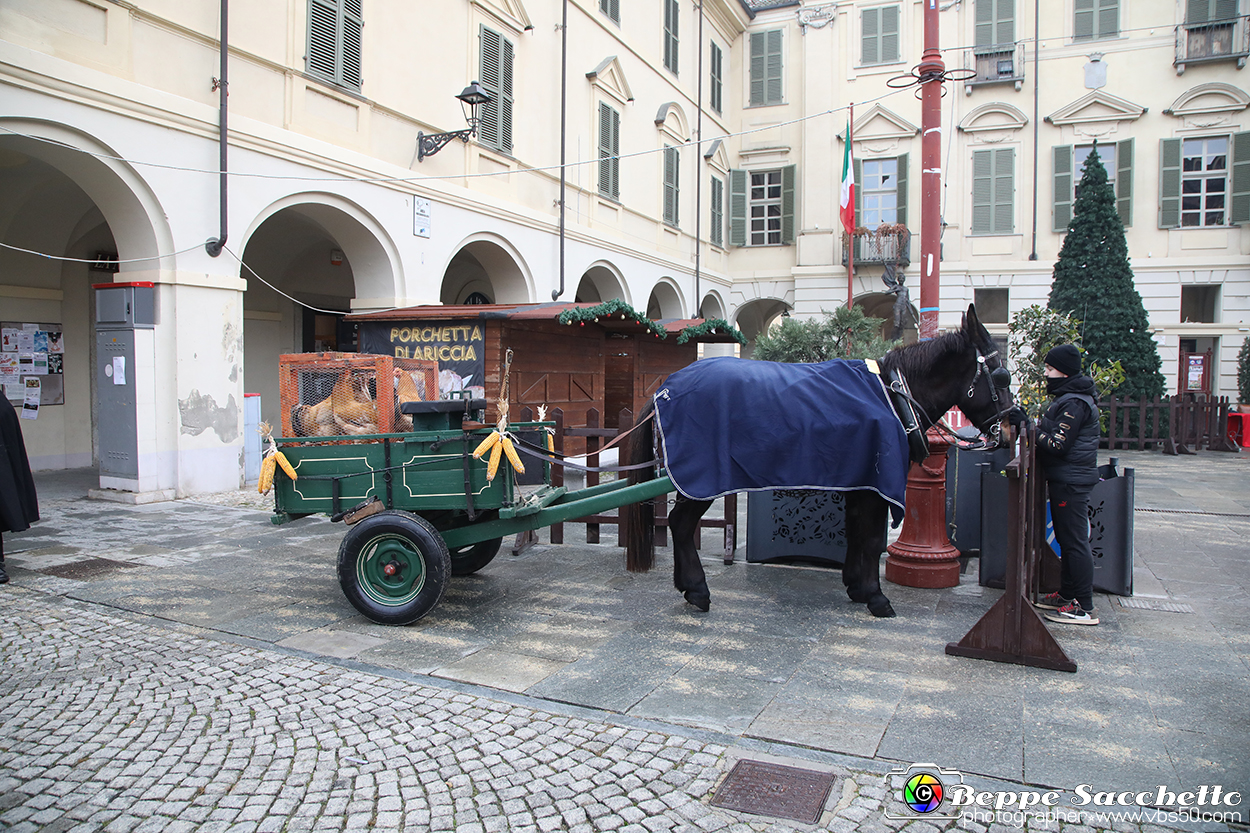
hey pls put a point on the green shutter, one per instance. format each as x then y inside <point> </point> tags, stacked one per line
<point>495,116</point>
<point>772,68</point>
<point>672,160</point>
<point>718,210</point>
<point>1197,11</point>
<point>739,183</point>
<point>1239,201</point>
<point>985,33</point>
<point>609,150</point>
<point>670,35</point>
<point>1004,190</point>
<point>871,36</point>
<point>717,78</point>
<point>1124,181</point>
<point>1108,18</point>
<point>757,68</point>
<point>1063,191</point>
<point>1170,183</point>
<point>322,38</point>
<point>612,8</point>
<point>353,26</point>
<point>889,34</point>
<point>1225,9</point>
<point>859,187</point>
<point>982,192</point>
<point>1083,23</point>
<point>787,204</point>
<point>1005,25</point>
<point>901,196</point>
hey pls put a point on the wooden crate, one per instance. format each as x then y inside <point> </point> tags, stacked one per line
<point>308,381</point>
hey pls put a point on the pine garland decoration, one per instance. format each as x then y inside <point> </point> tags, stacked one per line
<point>615,307</point>
<point>712,326</point>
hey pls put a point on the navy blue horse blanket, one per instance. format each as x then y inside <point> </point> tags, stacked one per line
<point>735,425</point>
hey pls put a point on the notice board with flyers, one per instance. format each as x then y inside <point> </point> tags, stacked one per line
<point>32,351</point>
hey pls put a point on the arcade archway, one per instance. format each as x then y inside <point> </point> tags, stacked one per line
<point>485,271</point>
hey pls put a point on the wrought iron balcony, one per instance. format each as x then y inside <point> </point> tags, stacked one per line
<point>887,244</point>
<point>1217,40</point>
<point>1000,63</point>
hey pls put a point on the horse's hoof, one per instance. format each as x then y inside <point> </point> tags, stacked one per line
<point>703,601</point>
<point>881,608</point>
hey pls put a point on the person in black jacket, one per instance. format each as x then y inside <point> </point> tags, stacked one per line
<point>1067,448</point>
<point>19,506</point>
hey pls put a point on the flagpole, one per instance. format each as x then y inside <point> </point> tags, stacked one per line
<point>850,245</point>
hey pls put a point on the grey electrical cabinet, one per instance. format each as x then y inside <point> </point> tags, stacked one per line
<point>121,308</point>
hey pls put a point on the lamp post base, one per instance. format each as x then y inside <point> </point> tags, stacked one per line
<point>923,555</point>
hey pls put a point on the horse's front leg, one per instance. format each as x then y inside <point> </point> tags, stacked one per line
<point>688,575</point>
<point>866,514</point>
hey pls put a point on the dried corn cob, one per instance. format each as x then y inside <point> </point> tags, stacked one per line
<point>266,475</point>
<point>486,445</point>
<point>492,467</point>
<point>510,451</point>
<point>286,465</point>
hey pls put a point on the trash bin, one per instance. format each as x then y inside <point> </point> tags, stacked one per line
<point>797,525</point>
<point>1111,504</point>
<point>963,490</point>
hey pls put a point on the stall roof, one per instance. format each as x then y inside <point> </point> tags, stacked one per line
<point>536,312</point>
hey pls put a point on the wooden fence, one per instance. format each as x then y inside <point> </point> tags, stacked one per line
<point>1175,424</point>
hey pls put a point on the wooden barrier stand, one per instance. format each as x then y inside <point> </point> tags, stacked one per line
<point>1011,630</point>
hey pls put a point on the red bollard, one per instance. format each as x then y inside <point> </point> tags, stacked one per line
<point>923,555</point>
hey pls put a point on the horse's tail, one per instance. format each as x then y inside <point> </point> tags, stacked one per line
<point>638,520</point>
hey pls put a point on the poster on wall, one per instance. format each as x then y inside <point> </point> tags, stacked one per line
<point>32,350</point>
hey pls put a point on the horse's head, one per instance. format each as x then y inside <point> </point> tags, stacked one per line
<point>985,397</point>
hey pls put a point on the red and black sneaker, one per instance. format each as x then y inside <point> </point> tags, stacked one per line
<point>1052,601</point>
<point>1072,614</point>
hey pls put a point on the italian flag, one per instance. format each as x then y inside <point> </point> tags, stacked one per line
<point>847,203</point>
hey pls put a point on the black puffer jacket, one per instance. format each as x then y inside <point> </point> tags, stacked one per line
<point>1067,434</point>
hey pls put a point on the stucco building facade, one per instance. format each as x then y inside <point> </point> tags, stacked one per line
<point>702,150</point>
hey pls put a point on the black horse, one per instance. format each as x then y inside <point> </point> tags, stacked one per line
<point>960,368</point>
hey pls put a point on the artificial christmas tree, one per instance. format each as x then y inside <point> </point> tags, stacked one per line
<point>1093,281</point>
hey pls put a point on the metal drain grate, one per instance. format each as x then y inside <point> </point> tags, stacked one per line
<point>783,792</point>
<point>1191,512</point>
<point>1155,604</point>
<point>87,569</point>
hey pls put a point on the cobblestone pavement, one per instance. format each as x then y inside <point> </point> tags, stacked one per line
<point>115,722</point>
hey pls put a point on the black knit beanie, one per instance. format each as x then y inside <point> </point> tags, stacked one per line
<point>1066,359</point>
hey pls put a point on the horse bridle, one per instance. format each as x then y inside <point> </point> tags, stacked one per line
<point>998,379</point>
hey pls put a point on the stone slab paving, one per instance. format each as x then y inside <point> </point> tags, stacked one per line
<point>112,723</point>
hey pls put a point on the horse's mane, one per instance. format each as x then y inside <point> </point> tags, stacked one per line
<point>915,360</point>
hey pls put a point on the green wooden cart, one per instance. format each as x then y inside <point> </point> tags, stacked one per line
<point>419,508</point>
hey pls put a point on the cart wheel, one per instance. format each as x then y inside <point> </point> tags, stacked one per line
<point>468,560</point>
<point>393,567</point>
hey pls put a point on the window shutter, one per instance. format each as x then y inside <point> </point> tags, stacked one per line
<point>353,26</point>
<point>671,161</point>
<point>889,34</point>
<point>982,192</point>
<point>870,36</point>
<point>1063,191</point>
<point>787,204</point>
<point>859,188</point>
<point>757,68</point>
<point>505,104</point>
<point>1239,203</point>
<point>901,197</point>
<point>772,67</point>
<point>488,113</point>
<point>1004,190</point>
<point>717,77</point>
<point>1005,25</point>
<point>738,183</point>
<point>1170,183</point>
<point>1124,181</point>
<point>670,35</point>
<point>985,23</point>
<point>322,38</point>
<point>612,8</point>
<point>1108,18</point>
<point>609,148</point>
<point>1083,23</point>
<point>1225,9</point>
<point>718,211</point>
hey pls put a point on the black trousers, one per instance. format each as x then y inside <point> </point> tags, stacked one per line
<point>1069,513</point>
